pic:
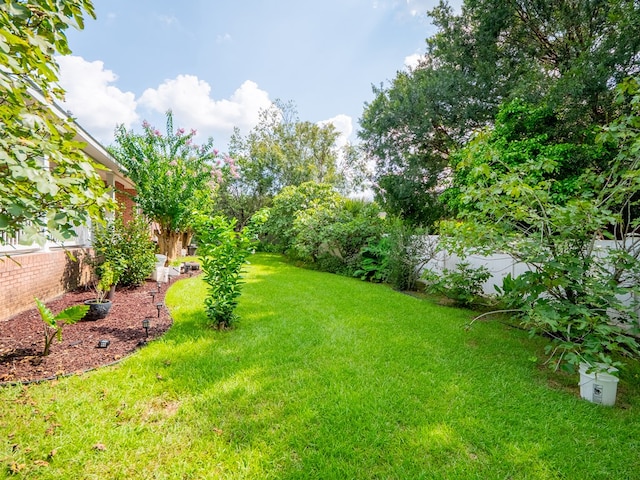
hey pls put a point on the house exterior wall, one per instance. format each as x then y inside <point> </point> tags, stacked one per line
<point>45,275</point>
<point>28,271</point>
<point>124,197</point>
<point>50,272</point>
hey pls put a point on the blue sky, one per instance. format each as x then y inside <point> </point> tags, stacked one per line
<point>216,64</point>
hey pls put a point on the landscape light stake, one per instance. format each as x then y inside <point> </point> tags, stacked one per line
<point>103,343</point>
<point>159,307</point>
<point>146,323</point>
<point>159,286</point>
<point>153,296</point>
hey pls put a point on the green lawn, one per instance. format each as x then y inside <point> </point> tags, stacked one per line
<point>325,377</point>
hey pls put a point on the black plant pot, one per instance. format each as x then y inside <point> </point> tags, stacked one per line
<point>97,310</point>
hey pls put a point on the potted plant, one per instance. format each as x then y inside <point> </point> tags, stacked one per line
<point>99,307</point>
<point>598,383</point>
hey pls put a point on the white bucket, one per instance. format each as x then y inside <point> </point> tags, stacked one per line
<point>598,387</point>
<point>160,274</point>
<point>160,260</point>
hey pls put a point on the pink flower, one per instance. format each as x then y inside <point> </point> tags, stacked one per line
<point>157,133</point>
<point>193,131</point>
<point>215,152</point>
<point>180,131</point>
<point>145,124</point>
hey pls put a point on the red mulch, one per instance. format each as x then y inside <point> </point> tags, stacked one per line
<point>22,337</point>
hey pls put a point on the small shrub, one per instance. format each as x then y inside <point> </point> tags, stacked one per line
<point>107,250</point>
<point>126,248</point>
<point>223,253</point>
<point>331,263</point>
<point>597,327</point>
<point>463,285</point>
<point>139,250</point>
<point>108,278</point>
<point>410,249</point>
<point>373,262</point>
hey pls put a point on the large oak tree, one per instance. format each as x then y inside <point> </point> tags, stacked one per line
<point>566,55</point>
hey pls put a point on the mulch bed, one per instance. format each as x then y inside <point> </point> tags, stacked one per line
<point>22,337</point>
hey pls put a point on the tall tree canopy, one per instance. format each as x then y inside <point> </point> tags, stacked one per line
<point>281,150</point>
<point>566,55</point>
<point>549,203</point>
<point>173,177</point>
<point>47,185</point>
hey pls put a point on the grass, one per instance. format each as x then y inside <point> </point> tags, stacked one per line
<point>325,377</point>
<point>179,260</point>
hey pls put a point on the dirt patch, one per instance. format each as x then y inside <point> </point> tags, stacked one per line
<point>22,337</point>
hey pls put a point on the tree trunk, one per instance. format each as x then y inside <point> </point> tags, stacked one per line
<point>170,243</point>
<point>186,238</point>
<point>112,293</point>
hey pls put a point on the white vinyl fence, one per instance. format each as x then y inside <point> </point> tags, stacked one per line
<point>499,264</point>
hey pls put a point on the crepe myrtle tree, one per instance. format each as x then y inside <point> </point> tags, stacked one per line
<point>47,185</point>
<point>173,176</point>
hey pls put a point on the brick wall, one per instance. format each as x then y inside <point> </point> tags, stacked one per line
<point>124,197</point>
<point>45,275</point>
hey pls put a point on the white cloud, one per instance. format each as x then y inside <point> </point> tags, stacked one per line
<point>168,20</point>
<point>99,106</point>
<point>412,61</point>
<point>413,8</point>
<point>193,106</point>
<point>226,38</point>
<point>344,125</point>
<point>418,8</point>
<point>93,101</point>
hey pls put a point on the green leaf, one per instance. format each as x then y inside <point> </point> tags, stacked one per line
<point>72,314</point>
<point>46,314</point>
